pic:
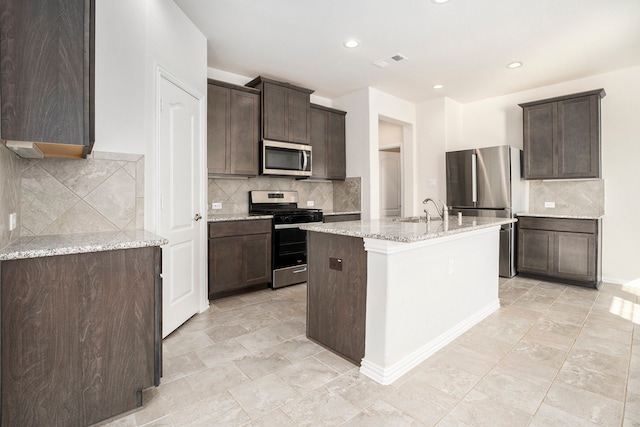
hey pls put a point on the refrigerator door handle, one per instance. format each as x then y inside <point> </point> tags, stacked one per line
<point>474,179</point>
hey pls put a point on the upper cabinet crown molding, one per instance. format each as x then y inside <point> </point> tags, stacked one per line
<point>285,111</point>
<point>561,136</point>
<point>47,60</point>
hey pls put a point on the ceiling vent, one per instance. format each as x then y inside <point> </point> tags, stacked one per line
<point>384,63</point>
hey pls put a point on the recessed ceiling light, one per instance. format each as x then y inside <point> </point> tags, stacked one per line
<point>351,43</point>
<point>439,1</point>
<point>438,86</point>
<point>515,64</point>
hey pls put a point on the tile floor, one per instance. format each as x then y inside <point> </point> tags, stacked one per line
<point>553,355</point>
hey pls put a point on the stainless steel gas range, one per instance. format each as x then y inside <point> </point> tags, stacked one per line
<point>289,251</point>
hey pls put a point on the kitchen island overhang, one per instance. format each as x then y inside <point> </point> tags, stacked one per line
<point>425,286</point>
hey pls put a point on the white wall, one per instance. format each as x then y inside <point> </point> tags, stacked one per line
<point>390,135</point>
<point>132,40</point>
<point>358,140</point>
<point>439,127</point>
<point>497,121</point>
<point>364,110</point>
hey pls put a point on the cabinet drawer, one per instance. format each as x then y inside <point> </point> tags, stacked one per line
<point>239,228</point>
<point>558,224</point>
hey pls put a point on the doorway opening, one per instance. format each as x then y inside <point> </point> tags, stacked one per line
<point>390,141</point>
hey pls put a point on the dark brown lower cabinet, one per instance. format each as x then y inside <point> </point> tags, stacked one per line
<point>337,293</point>
<point>341,217</point>
<point>567,250</point>
<point>80,338</point>
<point>239,256</point>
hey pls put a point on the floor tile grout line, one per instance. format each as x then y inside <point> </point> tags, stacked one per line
<point>564,360</point>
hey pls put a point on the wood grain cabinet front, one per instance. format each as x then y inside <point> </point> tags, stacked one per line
<point>47,68</point>
<point>328,142</point>
<point>239,256</point>
<point>285,111</point>
<point>568,250</point>
<point>562,137</point>
<point>337,294</point>
<point>80,336</point>
<point>233,129</point>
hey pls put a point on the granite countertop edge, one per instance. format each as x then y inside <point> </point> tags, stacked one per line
<point>405,232</point>
<point>568,216</point>
<point>68,244</point>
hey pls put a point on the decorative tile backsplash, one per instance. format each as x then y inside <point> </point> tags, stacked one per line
<point>347,195</point>
<point>234,193</point>
<point>102,193</point>
<point>11,167</point>
<point>581,197</point>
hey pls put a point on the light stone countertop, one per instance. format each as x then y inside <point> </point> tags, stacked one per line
<point>236,217</point>
<point>66,244</point>
<point>568,216</point>
<point>405,232</point>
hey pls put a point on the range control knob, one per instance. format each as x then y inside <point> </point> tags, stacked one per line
<point>287,219</point>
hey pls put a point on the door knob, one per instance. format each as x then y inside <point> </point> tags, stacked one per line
<point>198,217</point>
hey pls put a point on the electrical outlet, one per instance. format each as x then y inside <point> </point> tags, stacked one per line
<point>12,221</point>
<point>216,205</point>
<point>549,204</point>
<point>310,203</point>
<point>433,182</point>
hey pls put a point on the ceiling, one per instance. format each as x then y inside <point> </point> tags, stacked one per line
<point>464,45</point>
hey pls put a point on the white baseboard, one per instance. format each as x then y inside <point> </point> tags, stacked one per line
<point>388,375</point>
<point>615,281</point>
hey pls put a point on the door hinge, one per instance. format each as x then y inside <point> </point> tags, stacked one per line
<point>161,104</point>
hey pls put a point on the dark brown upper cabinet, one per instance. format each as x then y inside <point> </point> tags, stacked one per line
<point>233,129</point>
<point>47,67</point>
<point>328,142</point>
<point>562,136</point>
<point>285,111</point>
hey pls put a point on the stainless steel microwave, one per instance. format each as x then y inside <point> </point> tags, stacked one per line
<point>285,158</point>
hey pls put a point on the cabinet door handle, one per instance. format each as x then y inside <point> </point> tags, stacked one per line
<point>198,217</point>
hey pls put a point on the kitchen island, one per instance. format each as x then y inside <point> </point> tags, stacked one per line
<point>388,294</point>
<point>81,323</point>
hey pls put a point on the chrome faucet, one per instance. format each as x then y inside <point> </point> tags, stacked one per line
<point>442,211</point>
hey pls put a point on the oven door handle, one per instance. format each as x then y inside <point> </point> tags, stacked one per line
<point>283,226</point>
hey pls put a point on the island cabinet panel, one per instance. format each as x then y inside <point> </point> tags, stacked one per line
<point>233,129</point>
<point>561,136</point>
<point>239,256</point>
<point>567,250</point>
<point>336,294</point>
<point>79,341</point>
<point>47,68</point>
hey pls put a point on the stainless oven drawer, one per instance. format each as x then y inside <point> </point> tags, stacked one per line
<point>289,276</point>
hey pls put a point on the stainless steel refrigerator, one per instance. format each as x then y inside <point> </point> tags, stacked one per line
<point>488,182</point>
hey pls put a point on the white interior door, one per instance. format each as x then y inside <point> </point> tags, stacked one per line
<point>390,183</point>
<point>180,186</point>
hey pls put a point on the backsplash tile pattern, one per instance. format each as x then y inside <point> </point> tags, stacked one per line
<point>102,193</point>
<point>11,167</point>
<point>347,195</point>
<point>580,197</point>
<point>234,193</point>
